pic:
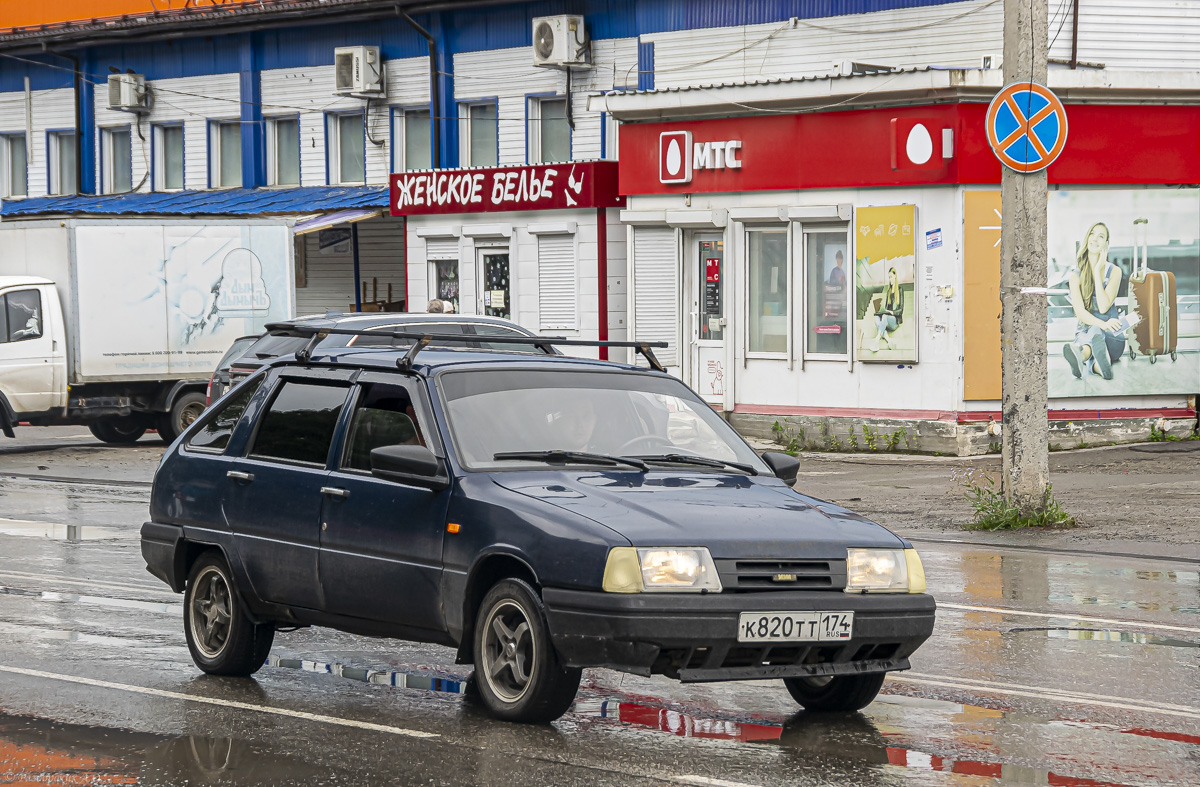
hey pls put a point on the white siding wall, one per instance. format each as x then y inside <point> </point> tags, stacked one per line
<point>309,93</point>
<point>509,75</point>
<point>1145,34</point>
<point>330,272</point>
<point>51,109</point>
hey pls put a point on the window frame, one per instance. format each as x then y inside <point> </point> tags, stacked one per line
<point>399,136</point>
<point>6,162</point>
<point>107,168</point>
<point>803,230</point>
<point>272,146</point>
<point>158,156</point>
<point>216,150</point>
<point>54,138</point>
<point>789,294</point>
<point>259,383</point>
<point>533,127</point>
<point>333,147</point>
<point>335,439</point>
<point>7,335</point>
<point>464,130</point>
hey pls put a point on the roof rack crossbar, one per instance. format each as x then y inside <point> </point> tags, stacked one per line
<point>423,340</point>
<point>304,354</point>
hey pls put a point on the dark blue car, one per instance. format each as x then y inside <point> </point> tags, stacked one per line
<point>537,512</point>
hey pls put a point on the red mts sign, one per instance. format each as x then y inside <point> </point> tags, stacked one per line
<point>864,148</point>
<point>580,184</point>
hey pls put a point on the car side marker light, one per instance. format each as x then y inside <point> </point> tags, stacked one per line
<point>453,528</point>
<point>916,571</point>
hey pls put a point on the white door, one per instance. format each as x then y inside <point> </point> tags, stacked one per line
<point>495,283</point>
<point>706,325</point>
<point>32,370</point>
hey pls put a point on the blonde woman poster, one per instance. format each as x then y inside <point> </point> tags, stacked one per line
<point>884,284</point>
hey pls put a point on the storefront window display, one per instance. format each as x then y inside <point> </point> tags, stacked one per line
<point>828,292</point>
<point>446,281</point>
<point>768,281</point>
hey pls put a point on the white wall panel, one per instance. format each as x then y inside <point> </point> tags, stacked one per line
<point>330,272</point>
<point>52,109</point>
<point>1161,35</point>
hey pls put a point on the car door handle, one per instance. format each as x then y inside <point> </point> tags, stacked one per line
<point>238,475</point>
<point>333,491</point>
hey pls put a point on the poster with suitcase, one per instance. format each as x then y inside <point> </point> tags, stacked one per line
<point>1124,292</point>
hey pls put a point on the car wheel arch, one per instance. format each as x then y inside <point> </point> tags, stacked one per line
<point>489,569</point>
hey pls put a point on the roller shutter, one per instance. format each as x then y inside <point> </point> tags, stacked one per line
<point>656,290</point>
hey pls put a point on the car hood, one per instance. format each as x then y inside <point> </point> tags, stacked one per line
<point>731,514</point>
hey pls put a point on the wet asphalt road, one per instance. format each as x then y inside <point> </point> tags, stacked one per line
<point>1045,668</point>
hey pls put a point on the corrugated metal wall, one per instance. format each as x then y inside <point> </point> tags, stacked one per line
<point>1124,34</point>
<point>330,272</point>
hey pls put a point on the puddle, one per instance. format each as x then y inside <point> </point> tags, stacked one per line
<point>70,635</point>
<point>1107,635</point>
<point>376,677</point>
<point>98,601</point>
<point>57,532</point>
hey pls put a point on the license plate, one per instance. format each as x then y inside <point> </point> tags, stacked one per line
<point>795,626</point>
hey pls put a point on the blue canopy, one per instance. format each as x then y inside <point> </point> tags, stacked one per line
<point>213,202</point>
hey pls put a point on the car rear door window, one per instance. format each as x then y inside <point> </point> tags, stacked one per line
<point>299,424</point>
<point>384,416</point>
<point>214,435</point>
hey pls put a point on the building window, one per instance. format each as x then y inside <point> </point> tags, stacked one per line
<point>767,278</point>
<point>63,174</point>
<point>225,153</point>
<point>346,148</point>
<point>116,160</point>
<point>168,158</point>
<point>283,151</point>
<point>14,166</point>
<point>548,134</point>
<point>411,147</point>
<point>480,138</point>
<point>828,281</point>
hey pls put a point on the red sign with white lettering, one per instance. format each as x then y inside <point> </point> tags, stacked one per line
<point>581,184</point>
<point>903,146</point>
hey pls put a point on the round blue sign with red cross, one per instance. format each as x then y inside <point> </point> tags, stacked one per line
<point>1026,126</point>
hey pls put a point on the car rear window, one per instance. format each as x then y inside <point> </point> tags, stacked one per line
<point>214,435</point>
<point>235,351</point>
<point>298,425</point>
<point>275,345</point>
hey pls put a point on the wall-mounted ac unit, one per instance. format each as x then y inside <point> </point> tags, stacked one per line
<point>358,71</point>
<point>127,93</point>
<point>560,42</point>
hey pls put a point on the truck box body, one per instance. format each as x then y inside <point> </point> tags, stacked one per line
<point>147,299</point>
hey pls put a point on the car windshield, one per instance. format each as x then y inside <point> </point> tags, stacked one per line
<point>604,414</point>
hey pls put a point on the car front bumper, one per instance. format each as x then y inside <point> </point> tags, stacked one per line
<point>693,637</point>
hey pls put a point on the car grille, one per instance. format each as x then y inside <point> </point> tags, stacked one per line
<point>750,575</point>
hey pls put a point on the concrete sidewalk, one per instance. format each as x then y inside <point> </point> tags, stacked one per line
<point>1141,499</point>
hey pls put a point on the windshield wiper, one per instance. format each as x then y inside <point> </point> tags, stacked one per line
<point>557,456</point>
<point>699,461</point>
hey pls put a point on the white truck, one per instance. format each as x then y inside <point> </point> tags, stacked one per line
<point>117,323</point>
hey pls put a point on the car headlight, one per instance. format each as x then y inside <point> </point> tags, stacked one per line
<point>658,569</point>
<point>884,571</point>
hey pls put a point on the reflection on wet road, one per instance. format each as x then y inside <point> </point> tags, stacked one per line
<point>1044,669</point>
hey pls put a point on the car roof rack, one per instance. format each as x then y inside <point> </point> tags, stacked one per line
<point>422,340</point>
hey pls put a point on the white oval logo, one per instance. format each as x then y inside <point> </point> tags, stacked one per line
<point>920,145</point>
<point>674,157</point>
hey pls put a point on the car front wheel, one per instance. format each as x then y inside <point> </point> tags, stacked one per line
<point>517,669</point>
<point>221,639</point>
<point>844,693</point>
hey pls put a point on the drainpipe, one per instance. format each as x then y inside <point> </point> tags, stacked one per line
<point>602,277</point>
<point>357,274</point>
<point>77,84</point>
<point>435,100</point>
<point>1075,35</point>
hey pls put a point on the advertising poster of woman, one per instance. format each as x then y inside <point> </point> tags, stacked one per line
<point>885,270</point>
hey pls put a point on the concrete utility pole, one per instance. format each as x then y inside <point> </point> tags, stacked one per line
<point>1023,263</point>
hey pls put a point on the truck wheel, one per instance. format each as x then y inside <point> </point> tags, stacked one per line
<point>516,667</point>
<point>187,408</point>
<point>120,431</point>
<point>841,694</point>
<point>221,639</point>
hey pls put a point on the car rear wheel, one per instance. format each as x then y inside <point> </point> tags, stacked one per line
<point>186,409</point>
<point>517,670</point>
<point>221,639</point>
<point>844,693</point>
<point>119,431</point>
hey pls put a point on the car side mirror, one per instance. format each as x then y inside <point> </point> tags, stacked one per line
<point>784,466</point>
<point>408,464</point>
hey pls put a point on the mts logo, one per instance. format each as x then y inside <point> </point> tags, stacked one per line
<point>678,156</point>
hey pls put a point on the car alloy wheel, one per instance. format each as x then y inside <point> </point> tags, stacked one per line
<point>508,651</point>
<point>211,612</point>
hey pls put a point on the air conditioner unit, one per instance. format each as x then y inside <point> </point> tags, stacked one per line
<point>127,93</point>
<point>358,71</point>
<point>560,42</point>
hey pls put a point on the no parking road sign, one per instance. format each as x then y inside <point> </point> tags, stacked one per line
<point>1026,126</point>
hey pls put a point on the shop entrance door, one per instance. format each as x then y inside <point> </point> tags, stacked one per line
<point>707,326</point>
<point>495,291</point>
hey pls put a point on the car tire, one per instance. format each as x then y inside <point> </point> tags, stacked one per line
<point>840,694</point>
<point>220,637</point>
<point>187,408</point>
<point>517,670</point>
<point>118,431</point>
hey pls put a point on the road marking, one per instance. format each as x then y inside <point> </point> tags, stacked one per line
<point>1040,692</point>
<point>89,583</point>
<point>707,781</point>
<point>174,695</point>
<point>1070,616</point>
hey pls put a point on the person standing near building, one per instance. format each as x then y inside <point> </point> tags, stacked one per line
<point>436,307</point>
<point>1095,283</point>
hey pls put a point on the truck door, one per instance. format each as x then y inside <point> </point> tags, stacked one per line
<point>28,352</point>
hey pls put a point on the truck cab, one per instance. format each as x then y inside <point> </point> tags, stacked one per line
<point>33,362</point>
